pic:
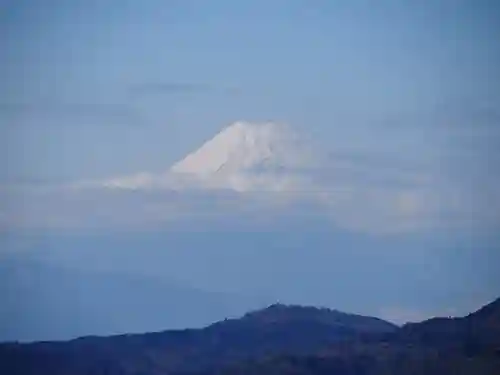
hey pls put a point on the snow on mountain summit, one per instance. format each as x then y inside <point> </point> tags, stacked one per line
<point>242,157</point>
<point>246,147</point>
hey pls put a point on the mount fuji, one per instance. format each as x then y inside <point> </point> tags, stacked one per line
<point>256,170</point>
<point>243,157</point>
<point>247,147</point>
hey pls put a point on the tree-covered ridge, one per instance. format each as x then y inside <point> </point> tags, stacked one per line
<point>278,340</point>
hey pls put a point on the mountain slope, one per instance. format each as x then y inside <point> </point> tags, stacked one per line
<point>294,314</point>
<point>244,146</point>
<point>365,360</point>
<point>474,332</point>
<point>277,340</point>
<point>468,345</point>
<point>278,329</point>
<point>248,157</point>
<point>241,157</point>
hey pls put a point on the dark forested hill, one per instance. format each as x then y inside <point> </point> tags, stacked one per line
<point>274,330</point>
<point>460,346</point>
<point>480,329</point>
<point>278,340</point>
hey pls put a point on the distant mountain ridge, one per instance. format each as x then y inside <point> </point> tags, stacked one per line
<point>276,329</point>
<point>477,330</point>
<point>277,340</point>
<point>283,313</point>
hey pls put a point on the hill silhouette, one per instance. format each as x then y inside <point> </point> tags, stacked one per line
<point>280,339</point>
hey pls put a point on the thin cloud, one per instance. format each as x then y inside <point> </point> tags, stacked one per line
<point>75,112</point>
<point>359,191</point>
<point>176,88</point>
<point>477,114</point>
<point>364,208</point>
<point>119,113</point>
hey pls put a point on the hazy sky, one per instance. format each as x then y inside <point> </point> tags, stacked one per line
<point>94,88</point>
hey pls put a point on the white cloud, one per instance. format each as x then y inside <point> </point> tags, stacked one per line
<point>376,209</point>
<point>258,173</point>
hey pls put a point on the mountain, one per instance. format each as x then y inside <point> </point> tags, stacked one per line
<point>247,147</point>
<point>242,157</point>
<point>274,330</point>
<point>42,301</point>
<point>467,345</point>
<point>277,340</point>
<point>477,331</point>
<point>280,314</point>
<point>356,359</point>
<point>247,157</point>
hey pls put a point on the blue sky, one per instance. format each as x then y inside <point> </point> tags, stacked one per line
<point>142,83</point>
<point>92,89</point>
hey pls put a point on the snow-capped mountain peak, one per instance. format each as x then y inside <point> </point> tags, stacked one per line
<point>242,157</point>
<point>246,147</point>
